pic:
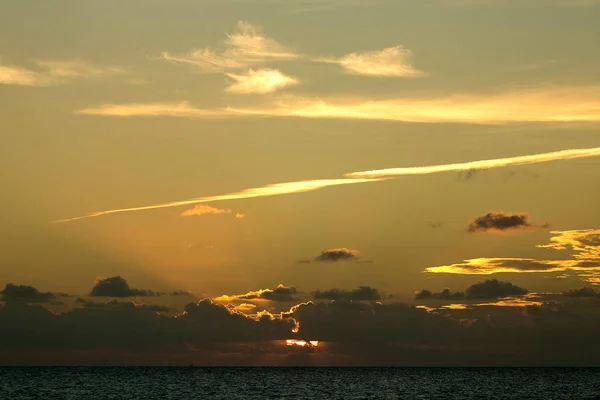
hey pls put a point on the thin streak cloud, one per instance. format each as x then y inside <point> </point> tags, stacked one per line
<point>264,191</point>
<point>558,104</point>
<point>481,164</point>
<point>359,177</point>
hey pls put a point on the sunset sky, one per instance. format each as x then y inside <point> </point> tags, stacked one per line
<point>220,148</point>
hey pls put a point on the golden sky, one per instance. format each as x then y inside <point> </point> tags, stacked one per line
<point>245,136</point>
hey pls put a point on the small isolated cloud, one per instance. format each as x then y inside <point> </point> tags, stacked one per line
<point>25,293</point>
<point>362,293</point>
<point>392,62</point>
<point>240,216</point>
<point>245,47</point>
<point>334,255</point>
<point>259,81</point>
<point>500,222</point>
<point>281,293</point>
<point>116,286</point>
<point>203,209</point>
<point>54,72</point>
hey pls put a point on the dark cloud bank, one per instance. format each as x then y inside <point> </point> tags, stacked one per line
<point>489,289</point>
<point>351,333</point>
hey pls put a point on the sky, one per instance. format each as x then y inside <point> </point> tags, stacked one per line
<point>284,168</point>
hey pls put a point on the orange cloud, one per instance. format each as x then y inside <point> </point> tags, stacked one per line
<point>203,209</point>
<point>240,216</point>
<point>391,62</point>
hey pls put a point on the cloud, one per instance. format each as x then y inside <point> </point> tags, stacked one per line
<point>55,72</point>
<point>245,47</point>
<point>584,243</point>
<point>360,177</point>
<point>334,255</point>
<point>532,105</point>
<point>489,289</point>
<point>26,293</point>
<point>362,293</point>
<point>182,109</point>
<point>585,261</point>
<point>445,294</point>
<point>203,209</point>
<point>391,62</point>
<point>487,266</point>
<point>517,331</point>
<point>583,292</point>
<point>281,293</point>
<point>117,287</point>
<point>500,222</point>
<point>260,81</point>
<point>569,154</point>
<point>181,293</point>
<point>264,191</point>
<point>240,216</point>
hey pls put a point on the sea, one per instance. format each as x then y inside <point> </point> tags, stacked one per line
<point>298,383</point>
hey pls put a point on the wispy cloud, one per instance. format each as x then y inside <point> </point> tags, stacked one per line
<point>585,260</point>
<point>392,62</point>
<point>55,72</point>
<point>558,104</point>
<point>264,191</point>
<point>488,266</point>
<point>182,109</point>
<point>245,47</point>
<point>203,209</point>
<point>259,81</point>
<point>481,164</point>
<point>357,177</point>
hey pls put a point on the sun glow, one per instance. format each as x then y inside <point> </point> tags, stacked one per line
<point>302,343</point>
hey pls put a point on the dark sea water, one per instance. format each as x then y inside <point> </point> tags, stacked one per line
<point>299,383</point>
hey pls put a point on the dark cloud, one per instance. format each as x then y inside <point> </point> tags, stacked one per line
<point>445,294</point>
<point>281,293</point>
<point>489,289</point>
<point>27,293</point>
<point>362,293</point>
<point>181,293</point>
<point>351,333</point>
<point>492,289</point>
<point>116,286</point>
<point>500,221</point>
<point>334,255</point>
<point>583,292</point>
